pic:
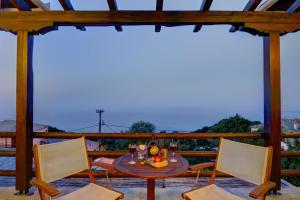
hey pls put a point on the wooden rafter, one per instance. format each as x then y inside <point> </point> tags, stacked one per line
<point>295,7</point>
<point>20,5</point>
<point>40,4</point>
<point>112,4</point>
<point>67,5</point>
<point>281,5</point>
<point>251,6</point>
<point>267,5</point>
<point>159,7</point>
<point>204,7</point>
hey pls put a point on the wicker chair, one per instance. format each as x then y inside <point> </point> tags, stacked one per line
<point>244,161</point>
<point>59,160</point>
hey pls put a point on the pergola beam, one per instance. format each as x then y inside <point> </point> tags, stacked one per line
<point>67,5</point>
<point>21,5</point>
<point>295,7</point>
<point>176,18</point>
<point>204,7</point>
<point>159,7</point>
<point>251,6</point>
<point>112,4</point>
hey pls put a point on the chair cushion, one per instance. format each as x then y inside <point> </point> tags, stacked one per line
<point>90,192</point>
<point>211,192</point>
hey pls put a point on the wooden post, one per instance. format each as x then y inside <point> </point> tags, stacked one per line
<point>272,102</point>
<point>24,108</point>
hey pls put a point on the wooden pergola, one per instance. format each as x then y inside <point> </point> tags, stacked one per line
<point>29,18</point>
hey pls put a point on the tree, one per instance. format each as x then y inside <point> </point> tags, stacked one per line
<point>54,129</point>
<point>236,124</point>
<point>137,127</point>
<point>142,127</point>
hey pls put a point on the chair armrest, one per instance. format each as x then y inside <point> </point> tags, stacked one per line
<point>262,189</point>
<point>46,187</point>
<point>102,165</point>
<point>201,166</point>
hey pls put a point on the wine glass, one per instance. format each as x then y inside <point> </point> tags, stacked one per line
<point>173,148</point>
<point>131,149</point>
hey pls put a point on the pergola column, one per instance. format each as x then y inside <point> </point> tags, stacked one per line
<point>24,111</point>
<point>272,101</point>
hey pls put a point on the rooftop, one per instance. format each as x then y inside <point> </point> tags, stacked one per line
<point>10,126</point>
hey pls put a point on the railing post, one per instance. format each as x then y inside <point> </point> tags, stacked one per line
<point>272,102</point>
<point>24,111</point>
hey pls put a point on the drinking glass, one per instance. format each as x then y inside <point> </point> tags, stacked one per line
<point>173,148</point>
<point>131,149</point>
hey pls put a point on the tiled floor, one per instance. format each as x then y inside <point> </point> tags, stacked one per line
<point>135,189</point>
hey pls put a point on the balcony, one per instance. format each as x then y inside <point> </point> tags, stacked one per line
<point>270,25</point>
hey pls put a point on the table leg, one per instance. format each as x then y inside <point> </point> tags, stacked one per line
<point>150,189</point>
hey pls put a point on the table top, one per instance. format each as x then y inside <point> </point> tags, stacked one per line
<point>147,171</point>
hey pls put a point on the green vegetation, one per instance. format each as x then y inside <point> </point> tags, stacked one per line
<point>142,127</point>
<point>137,127</point>
<point>235,124</point>
<point>54,129</point>
<point>292,163</point>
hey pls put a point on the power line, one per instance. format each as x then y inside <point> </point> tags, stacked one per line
<point>83,128</point>
<point>159,129</point>
<point>110,128</point>
<point>121,126</point>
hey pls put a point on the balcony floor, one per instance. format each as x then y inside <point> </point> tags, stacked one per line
<point>135,189</point>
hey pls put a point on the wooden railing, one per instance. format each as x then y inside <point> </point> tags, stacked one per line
<point>203,154</point>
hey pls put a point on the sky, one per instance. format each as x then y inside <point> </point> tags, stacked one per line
<point>176,79</point>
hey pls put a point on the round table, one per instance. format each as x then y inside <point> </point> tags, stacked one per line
<point>150,173</point>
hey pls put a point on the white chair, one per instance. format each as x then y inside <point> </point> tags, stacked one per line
<point>59,160</point>
<point>244,161</point>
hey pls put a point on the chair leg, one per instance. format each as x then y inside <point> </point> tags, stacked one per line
<point>42,194</point>
<point>198,174</point>
<point>107,178</point>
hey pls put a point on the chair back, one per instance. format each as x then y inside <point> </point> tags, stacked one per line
<point>248,162</point>
<point>59,160</point>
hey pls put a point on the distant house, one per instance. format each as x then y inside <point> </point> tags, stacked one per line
<point>92,145</point>
<point>296,123</point>
<point>257,128</point>
<point>10,126</point>
<point>286,125</point>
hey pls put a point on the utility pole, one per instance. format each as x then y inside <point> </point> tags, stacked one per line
<point>100,111</point>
